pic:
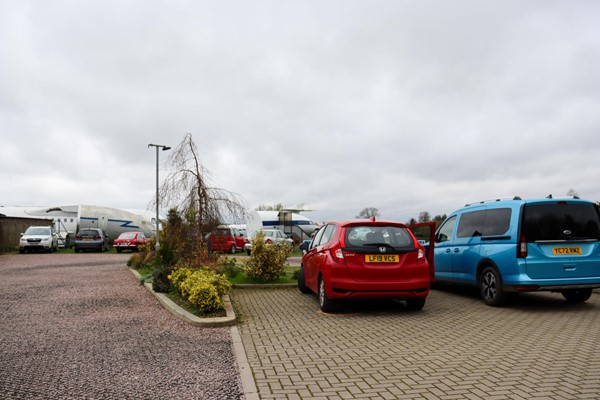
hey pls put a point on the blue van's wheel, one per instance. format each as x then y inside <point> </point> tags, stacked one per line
<point>576,295</point>
<point>490,286</point>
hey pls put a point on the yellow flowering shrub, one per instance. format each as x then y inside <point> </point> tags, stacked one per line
<point>202,287</point>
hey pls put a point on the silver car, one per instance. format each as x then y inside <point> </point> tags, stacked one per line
<point>275,236</point>
<point>38,238</point>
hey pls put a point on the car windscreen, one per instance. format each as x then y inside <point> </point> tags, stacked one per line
<point>88,233</point>
<point>560,221</point>
<point>127,235</point>
<point>222,232</point>
<point>369,236</point>
<point>37,231</point>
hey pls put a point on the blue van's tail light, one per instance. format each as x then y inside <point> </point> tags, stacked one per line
<point>522,248</point>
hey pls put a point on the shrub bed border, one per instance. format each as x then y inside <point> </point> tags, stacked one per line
<point>188,317</point>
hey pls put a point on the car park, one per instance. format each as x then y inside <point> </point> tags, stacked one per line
<point>129,241</point>
<point>517,245</point>
<point>38,238</point>
<point>272,236</point>
<point>227,240</point>
<point>365,259</point>
<point>91,239</point>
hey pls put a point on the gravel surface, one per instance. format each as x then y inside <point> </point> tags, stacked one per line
<point>79,326</point>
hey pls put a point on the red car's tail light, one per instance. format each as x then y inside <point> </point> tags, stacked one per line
<point>421,254</point>
<point>338,254</point>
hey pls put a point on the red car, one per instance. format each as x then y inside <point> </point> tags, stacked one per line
<point>227,240</point>
<point>365,259</point>
<point>129,241</point>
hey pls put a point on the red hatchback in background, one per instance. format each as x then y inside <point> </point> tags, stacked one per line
<point>227,240</point>
<point>365,259</point>
<point>129,241</point>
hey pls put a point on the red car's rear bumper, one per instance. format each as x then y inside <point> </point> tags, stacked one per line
<point>341,286</point>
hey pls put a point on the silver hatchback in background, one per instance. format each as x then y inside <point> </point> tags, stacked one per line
<point>37,238</point>
<point>91,239</point>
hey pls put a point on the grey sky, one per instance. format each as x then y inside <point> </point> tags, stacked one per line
<point>406,106</point>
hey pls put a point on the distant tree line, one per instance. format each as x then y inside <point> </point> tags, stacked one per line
<point>424,216</point>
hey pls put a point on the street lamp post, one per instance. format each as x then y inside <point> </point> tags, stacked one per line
<point>164,148</point>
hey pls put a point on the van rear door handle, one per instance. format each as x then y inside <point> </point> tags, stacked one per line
<point>456,250</point>
<point>447,250</point>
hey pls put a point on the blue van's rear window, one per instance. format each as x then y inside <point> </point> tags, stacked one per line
<point>560,221</point>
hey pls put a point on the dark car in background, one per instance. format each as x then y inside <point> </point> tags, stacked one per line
<point>129,241</point>
<point>91,239</point>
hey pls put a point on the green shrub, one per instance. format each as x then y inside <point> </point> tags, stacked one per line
<point>160,278</point>
<point>230,268</point>
<point>267,261</point>
<point>135,261</point>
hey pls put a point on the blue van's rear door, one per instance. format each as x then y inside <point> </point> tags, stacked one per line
<point>563,259</point>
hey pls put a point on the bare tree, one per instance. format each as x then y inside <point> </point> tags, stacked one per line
<point>187,189</point>
<point>368,212</point>
<point>424,216</point>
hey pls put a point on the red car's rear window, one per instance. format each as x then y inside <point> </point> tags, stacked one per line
<point>369,236</point>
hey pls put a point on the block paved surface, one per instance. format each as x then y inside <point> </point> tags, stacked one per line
<point>538,347</point>
<point>79,326</point>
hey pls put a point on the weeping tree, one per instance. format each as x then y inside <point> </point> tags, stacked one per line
<point>187,190</point>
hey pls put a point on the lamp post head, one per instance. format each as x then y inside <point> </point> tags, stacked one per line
<point>164,148</point>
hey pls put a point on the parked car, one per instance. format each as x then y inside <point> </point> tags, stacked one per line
<point>226,239</point>
<point>512,246</point>
<point>129,241</point>
<point>365,259</point>
<point>91,239</point>
<point>38,238</point>
<point>275,236</point>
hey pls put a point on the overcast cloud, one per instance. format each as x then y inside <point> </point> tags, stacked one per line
<point>406,106</point>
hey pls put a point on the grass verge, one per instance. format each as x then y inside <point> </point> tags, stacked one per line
<point>289,277</point>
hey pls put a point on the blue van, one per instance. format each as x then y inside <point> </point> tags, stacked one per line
<point>517,245</point>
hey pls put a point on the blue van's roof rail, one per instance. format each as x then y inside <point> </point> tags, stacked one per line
<point>499,199</point>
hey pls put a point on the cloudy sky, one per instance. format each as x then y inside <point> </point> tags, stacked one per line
<point>406,106</point>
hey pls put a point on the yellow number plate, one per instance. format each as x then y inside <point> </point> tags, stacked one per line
<point>565,251</point>
<point>382,258</point>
